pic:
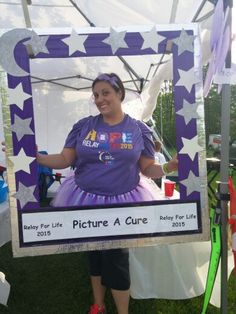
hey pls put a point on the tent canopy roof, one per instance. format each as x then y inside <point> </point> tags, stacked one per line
<point>80,13</point>
<point>135,71</point>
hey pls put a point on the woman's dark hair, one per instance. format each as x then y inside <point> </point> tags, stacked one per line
<point>114,80</point>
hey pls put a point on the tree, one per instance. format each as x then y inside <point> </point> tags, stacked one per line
<point>164,114</point>
<point>213,107</point>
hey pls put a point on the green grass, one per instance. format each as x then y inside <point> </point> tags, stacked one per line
<point>59,284</point>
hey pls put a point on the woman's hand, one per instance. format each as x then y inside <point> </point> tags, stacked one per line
<point>150,169</point>
<point>62,160</point>
<point>172,165</point>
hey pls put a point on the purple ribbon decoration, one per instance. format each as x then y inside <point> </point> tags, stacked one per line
<point>112,80</point>
<point>219,41</point>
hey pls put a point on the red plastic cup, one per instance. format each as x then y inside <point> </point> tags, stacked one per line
<point>169,188</point>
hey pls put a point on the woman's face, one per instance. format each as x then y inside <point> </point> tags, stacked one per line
<point>107,100</point>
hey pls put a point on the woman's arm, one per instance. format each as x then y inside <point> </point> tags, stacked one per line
<point>63,160</point>
<point>152,170</point>
<point>58,161</point>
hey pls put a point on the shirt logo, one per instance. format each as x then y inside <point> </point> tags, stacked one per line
<point>106,158</point>
<point>106,141</point>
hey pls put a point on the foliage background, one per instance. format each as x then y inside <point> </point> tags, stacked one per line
<point>212,105</point>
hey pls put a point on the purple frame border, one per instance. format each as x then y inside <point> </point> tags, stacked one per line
<point>95,47</point>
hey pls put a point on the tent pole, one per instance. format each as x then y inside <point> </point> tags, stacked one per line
<point>224,165</point>
<point>199,10</point>
<point>173,11</point>
<point>77,8</point>
<point>93,25</point>
<point>172,20</point>
<point>26,13</point>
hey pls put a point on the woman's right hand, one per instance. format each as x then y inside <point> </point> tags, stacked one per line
<point>62,160</point>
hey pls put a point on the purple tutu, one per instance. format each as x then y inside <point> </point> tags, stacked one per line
<point>69,194</point>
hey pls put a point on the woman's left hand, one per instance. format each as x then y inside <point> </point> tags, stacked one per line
<point>172,164</point>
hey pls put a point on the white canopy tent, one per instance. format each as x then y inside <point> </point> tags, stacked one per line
<point>61,93</point>
<point>70,80</point>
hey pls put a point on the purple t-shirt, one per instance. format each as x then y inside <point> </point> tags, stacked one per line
<point>107,156</point>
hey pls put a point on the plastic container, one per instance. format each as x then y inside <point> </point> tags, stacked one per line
<point>3,191</point>
<point>169,188</point>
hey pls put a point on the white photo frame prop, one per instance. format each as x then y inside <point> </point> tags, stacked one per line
<point>38,230</point>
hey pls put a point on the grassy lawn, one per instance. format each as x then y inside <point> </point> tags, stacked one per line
<point>59,284</point>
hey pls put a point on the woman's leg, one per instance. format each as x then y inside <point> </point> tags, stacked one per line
<point>98,290</point>
<point>121,299</point>
<point>115,275</point>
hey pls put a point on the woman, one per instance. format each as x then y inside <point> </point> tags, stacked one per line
<point>108,151</point>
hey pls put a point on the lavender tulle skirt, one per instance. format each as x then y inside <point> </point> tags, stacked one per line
<point>69,194</point>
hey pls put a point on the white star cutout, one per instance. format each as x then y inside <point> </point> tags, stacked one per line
<point>17,96</point>
<point>192,183</point>
<point>151,39</point>
<point>184,42</point>
<point>38,43</point>
<point>190,147</point>
<point>75,42</point>
<point>189,111</point>
<point>25,194</point>
<point>21,127</point>
<point>21,161</point>
<point>116,40</point>
<point>187,79</point>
